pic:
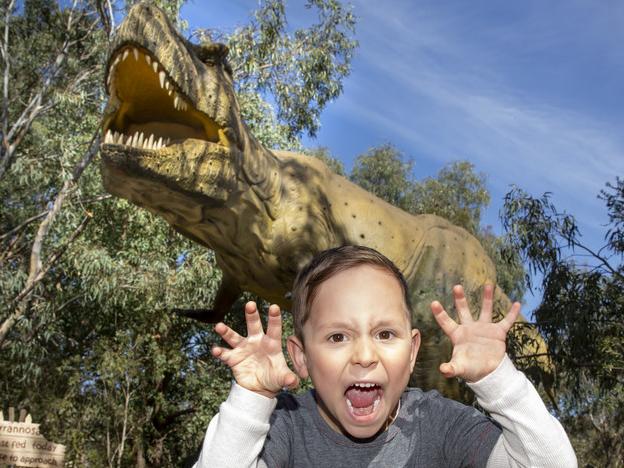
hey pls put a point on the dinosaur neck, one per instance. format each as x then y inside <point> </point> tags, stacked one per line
<point>262,172</point>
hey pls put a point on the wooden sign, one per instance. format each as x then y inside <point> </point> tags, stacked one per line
<point>21,444</point>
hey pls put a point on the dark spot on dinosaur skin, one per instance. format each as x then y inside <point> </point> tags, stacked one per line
<point>379,222</point>
<point>361,236</point>
<point>346,203</point>
<point>353,215</point>
<point>293,228</point>
<point>301,208</point>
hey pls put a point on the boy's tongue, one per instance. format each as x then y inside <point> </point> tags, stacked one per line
<point>362,397</point>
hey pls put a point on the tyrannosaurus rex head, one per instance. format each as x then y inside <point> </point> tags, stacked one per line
<point>172,131</point>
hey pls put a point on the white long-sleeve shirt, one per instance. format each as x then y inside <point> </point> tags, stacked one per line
<point>531,436</point>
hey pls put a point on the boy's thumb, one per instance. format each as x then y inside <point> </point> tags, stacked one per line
<point>290,381</point>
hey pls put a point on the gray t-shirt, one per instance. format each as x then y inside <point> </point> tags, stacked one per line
<point>430,431</point>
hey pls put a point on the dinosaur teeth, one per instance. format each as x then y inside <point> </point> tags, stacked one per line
<point>178,103</point>
<point>125,55</point>
<point>148,59</point>
<point>155,66</point>
<point>136,140</point>
<point>135,52</point>
<point>161,78</point>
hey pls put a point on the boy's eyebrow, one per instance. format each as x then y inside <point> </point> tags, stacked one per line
<point>336,325</point>
<point>386,323</point>
<point>350,325</point>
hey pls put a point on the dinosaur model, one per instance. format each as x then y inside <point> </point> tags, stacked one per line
<point>174,143</point>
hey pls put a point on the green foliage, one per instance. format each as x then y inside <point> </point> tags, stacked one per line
<point>382,171</point>
<point>261,121</point>
<point>299,71</point>
<point>324,155</point>
<point>457,193</point>
<point>581,313</point>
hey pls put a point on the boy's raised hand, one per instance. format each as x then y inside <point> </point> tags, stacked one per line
<point>478,345</point>
<point>257,361</point>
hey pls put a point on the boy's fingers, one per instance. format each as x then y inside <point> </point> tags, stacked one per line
<point>511,316</point>
<point>448,370</point>
<point>230,336</point>
<point>274,324</point>
<point>461,304</point>
<point>446,323</point>
<point>252,317</point>
<point>220,353</point>
<point>487,304</point>
<point>227,356</point>
<point>290,381</point>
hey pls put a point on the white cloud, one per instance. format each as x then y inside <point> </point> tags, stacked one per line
<point>447,98</point>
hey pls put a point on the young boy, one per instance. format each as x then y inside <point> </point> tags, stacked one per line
<point>353,338</point>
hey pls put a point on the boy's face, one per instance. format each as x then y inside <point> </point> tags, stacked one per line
<point>359,349</point>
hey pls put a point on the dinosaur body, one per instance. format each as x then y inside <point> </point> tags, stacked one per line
<point>175,144</point>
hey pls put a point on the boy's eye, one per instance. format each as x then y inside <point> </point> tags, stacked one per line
<point>385,335</point>
<point>337,338</point>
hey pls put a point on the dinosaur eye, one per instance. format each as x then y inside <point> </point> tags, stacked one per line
<point>212,52</point>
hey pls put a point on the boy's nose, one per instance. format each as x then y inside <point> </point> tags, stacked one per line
<point>364,353</point>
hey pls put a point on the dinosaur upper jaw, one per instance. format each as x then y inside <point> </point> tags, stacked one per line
<point>151,131</point>
<point>147,110</point>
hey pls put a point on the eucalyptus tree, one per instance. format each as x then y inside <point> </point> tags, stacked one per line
<point>581,314</point>
<point>87,282</point>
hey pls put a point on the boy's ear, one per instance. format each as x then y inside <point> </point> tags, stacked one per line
<point>297,356</point>
<point>415,346</point>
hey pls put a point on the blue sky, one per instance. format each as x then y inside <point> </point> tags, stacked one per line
<point>531,92</point>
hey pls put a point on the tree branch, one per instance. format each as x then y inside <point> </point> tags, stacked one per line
<point>12,137</point>
<point>7,68</point>
<point>44,213</point>
<point>36,270</point>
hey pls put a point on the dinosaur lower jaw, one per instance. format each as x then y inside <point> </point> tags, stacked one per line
<point>148,111</point>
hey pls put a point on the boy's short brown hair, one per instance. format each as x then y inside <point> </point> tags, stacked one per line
<point>327,264</point>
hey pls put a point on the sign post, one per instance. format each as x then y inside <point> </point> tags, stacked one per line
<point>21,444</point>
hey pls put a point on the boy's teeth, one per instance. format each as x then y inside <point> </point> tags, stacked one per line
<point>365,385</point>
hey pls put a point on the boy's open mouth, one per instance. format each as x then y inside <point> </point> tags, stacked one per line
<point>363,398</point>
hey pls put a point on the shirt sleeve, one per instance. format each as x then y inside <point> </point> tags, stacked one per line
<point>531,435</point>
<point>236,434</point>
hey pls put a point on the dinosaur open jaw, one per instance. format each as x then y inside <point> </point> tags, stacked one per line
<point>151,112</point>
